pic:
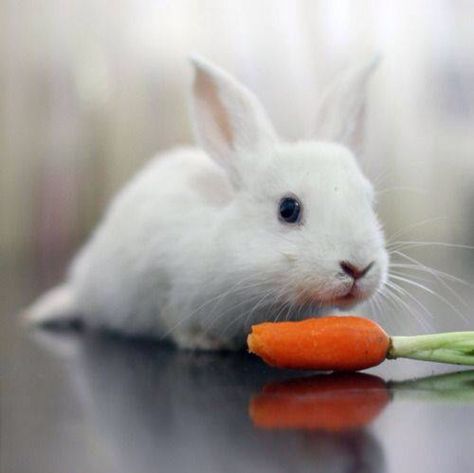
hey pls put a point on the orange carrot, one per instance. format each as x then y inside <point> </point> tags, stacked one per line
<point>351,343</point>
<point>327,343</point>
<point>336,402</point>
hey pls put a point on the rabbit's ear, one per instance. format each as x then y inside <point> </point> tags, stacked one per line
<point>229,121</point>
<point>341,115</point>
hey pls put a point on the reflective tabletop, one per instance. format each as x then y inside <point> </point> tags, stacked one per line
<point>83,402</point>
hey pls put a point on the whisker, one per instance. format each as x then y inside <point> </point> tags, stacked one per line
<point>440,297</point>
<point>378,180</point>
<point>404,292</point>
<point>405,306</point>
<point>214,300</point>
<point>387,295</point>
<point>227,297</point>
<point>457,296</point>
<point>437,275</point>
<point>259,302</point>
<point>415,277</point>
<point>431,271</point>
<point>233,307</point>
<point>420,244</point>
<point>281,310</point>
<point>411,227</point>
<point>416,190</point>
<point>378,302</point>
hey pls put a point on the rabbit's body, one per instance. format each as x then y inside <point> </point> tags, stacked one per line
<point>138,273</point>
<point>194,247</point>
<point>136,268</point>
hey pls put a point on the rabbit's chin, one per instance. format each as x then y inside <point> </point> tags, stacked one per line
<point>340,299</point>
<point>354,297</point>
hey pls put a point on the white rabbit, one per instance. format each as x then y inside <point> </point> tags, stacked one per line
<point>204,242</point>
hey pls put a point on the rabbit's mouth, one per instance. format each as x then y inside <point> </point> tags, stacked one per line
<point>355,293</point>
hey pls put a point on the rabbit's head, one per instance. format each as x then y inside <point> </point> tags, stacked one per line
<point>302,216</point>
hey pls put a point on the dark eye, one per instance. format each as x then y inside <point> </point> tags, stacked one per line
<point>290,210</point>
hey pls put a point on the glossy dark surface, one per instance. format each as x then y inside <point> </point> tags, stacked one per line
<point>74,402</point>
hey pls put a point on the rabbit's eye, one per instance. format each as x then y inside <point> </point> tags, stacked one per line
<point>290,210</point>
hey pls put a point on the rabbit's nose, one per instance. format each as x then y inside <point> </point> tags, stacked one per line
<point>354,271</point>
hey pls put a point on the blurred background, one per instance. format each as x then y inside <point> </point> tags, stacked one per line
<point>90,90</point>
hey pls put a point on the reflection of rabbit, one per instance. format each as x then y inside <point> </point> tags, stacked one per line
<point>151,408</point>
<point>203,243</point>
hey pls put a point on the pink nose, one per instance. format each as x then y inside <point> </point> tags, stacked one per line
<point>354,271</point>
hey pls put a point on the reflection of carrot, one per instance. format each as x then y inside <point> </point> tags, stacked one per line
<point>327,343</point>
<point>327,402</point>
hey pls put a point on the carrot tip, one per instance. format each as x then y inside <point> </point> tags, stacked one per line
<point>250,343</point>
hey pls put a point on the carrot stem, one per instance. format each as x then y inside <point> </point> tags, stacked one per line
<point>452,347</point>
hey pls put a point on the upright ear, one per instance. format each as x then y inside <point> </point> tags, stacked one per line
<point>341,115</point>
<point>230,124</point>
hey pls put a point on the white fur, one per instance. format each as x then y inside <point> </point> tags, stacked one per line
<point>193,248</point>
<point>54,306</point>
